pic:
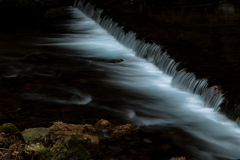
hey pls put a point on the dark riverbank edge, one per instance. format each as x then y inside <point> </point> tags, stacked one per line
<point>88,142</point>
<point>210,58</point>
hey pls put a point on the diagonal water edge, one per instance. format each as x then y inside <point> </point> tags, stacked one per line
<point>153,53</point>
<point>164,105</point>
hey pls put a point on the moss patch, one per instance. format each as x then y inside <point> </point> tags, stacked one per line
<point>56,13</point>
<point>9,128</point>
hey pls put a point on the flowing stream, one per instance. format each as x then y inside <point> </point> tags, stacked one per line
<point>173,98</point>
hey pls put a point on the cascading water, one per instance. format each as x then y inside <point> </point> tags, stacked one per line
<point>152,52</point>
<point>164,105</point>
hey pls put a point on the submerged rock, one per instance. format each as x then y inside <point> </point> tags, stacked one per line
<point>75,98</point>
<point>116,60</point>
<point>112,60</point>
<point>127,128</point>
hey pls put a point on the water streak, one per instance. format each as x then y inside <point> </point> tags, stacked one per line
<point>152,52</point>
<point>162,104</point>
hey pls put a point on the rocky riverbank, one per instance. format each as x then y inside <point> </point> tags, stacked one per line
<point>84,142</point>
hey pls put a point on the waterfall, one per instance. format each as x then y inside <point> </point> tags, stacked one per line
<point>183,80</point>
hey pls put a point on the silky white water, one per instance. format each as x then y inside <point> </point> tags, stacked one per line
<point>165,104</point>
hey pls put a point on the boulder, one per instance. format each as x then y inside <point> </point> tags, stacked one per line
<point>102,123</point>
<point>87,132</point>
<point>178,158</point>
<point>127,128</point>
<point>9,128</point>
<point>37,134</point>
<point>70,147</point>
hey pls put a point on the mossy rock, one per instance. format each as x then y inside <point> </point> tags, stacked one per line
<point>70,147</point>
<point>39,134</point>
<point>9,128</point>
<point>56,14</point>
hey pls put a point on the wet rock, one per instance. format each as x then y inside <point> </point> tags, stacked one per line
<point>116,60</point>
<point>179,158</point>
<point>75,98</point>
<point>37,134</point>
<point>102,123</point>
<point>87,132</point>
<point>70,146</point>
<point>127,128</point>
<point>112,60</point>
<point>34,147</point>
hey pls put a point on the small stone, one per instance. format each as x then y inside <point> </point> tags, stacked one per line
<point>34,147</point>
